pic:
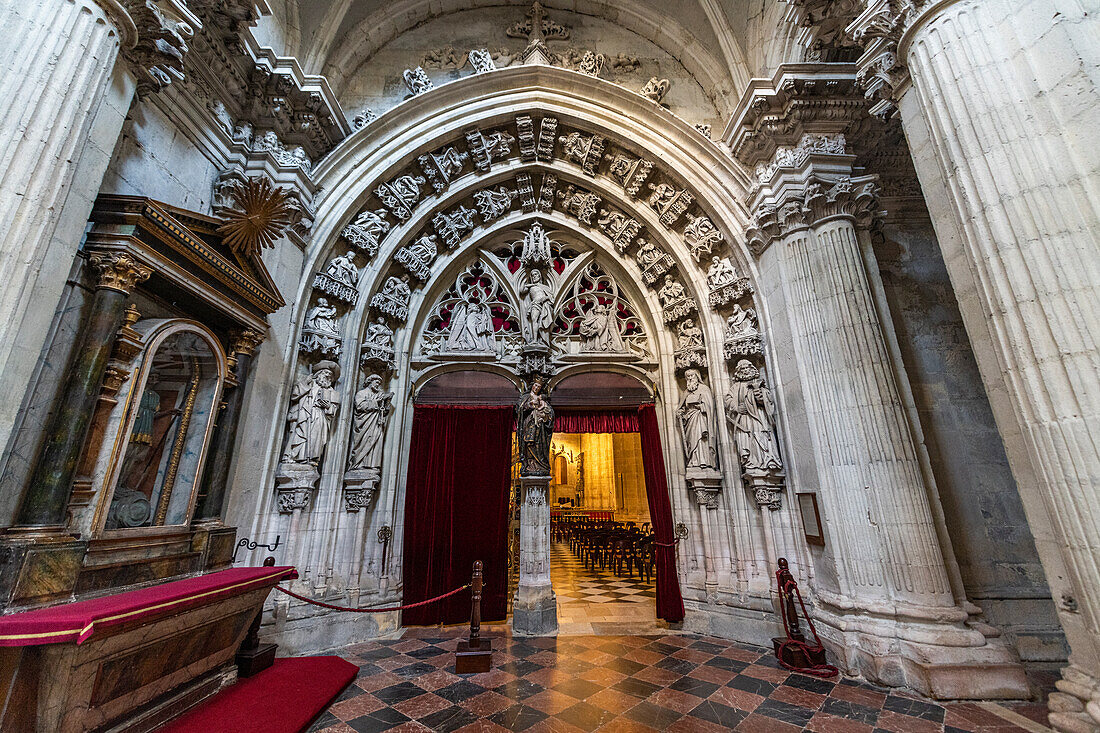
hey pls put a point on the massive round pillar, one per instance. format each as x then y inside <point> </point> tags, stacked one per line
<point>1000,104</point>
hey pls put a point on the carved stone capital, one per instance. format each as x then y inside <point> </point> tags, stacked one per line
<point>294,499</point>
<point>157,49</point>
<point>117,271</point>
<point>804,203</point>
<point>766,487</point>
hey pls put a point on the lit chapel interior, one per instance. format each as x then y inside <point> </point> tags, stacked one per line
<point>569,365</point>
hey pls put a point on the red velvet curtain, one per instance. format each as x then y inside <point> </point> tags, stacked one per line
<point>670,604</point>
<point>596,421</point>
<point>456,510</point>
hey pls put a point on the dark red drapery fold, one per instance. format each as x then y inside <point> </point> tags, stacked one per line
<point>670,604</point>
<point>456,510</point>
<point>596,421</point>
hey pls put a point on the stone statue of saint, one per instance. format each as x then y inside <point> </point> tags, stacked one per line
<point>372,407</point>
<point>321,318</point>
<point>721,273</point>
<point>342,269</point>
<point>534,429</point>
<point>688,335</point>
<point>313,402</point>
<point>648,253</point>
<point>538,309</point>
<point>601,330</point>
<point>379,335</point>
<point>471,326</point>
<point>750,411</point>
<point>741,323</point>
<point>671,292</point>
<point>698,424</point>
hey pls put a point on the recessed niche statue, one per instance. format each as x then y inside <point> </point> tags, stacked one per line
<point>371,409</point>
<point>534,430</point>
<point>313,402</point>
<point>600,329</point>
<point>343,270</point>
<point>471,327</point>
<point>698,424</point>
<point>721,273</point>
<point>538,312</point>
<point>750,410</point>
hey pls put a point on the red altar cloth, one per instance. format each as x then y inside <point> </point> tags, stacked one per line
<point>75,622</point>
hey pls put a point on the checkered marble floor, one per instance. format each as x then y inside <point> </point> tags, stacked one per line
<point>615,684</point>
<point>573,581</point>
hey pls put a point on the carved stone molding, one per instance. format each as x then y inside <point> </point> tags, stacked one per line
<point>117,271</point>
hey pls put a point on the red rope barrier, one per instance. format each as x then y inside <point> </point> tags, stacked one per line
<point>371,610</point>
<point>817,670</point>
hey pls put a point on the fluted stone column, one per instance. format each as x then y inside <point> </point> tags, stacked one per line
<point>64,105</point>
<point>1000,105</point>
<point>893,616</point>
<point>44,505</point>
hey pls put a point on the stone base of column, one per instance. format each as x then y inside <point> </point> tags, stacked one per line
<point>535,611</point>
<point>944,661</point>
<point>1075,707</point>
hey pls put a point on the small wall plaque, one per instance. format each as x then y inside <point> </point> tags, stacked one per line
<point>811,518</point>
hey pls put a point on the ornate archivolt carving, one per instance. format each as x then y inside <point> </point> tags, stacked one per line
<point>669,202</point>
<point>701,236</point>
<point>401,195</point>
<point>494,203</point>
<point>532,147</point>
<point>547,192</point>
<point>655,89</point>
<point>581,204</point>
<point>620,229</point>
<point>393,298</point>
<point>742,335</point>
<point>690,350</point>
<point>367,231</point>
<point>340,279</point>
<point>584,150</point>
<point>417,81</point>
<point>595,318</point>
<point>453,226</point>
<point>442,166</point>
<point>486,148</point>
<point>630,172</point>
<point>321,331</point>
<point>676,304</point>
<point>653,260</point>
<point>377,350</point>
<point>725,283</point>
<point>417,257</point>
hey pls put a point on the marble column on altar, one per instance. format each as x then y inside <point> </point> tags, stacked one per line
<point>1000,105</point>
<point>43,508</point>
<point>891,613</point>
<point>64,104</point>
<point>212,502</point>
<point>535,607</point>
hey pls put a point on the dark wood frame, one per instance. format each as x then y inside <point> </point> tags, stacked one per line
<point>813,539</point>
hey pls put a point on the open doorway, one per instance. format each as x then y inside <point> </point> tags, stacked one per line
<point>602,559</point>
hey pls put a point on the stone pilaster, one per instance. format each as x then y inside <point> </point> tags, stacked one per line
<point>1000,105</point>
<point>535,608</point>
<point>893,615</point>
<point>43,506</point>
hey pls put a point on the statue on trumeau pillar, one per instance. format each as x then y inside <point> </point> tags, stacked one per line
<point>534,429</point>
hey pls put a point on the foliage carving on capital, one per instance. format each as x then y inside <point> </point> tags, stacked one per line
<point>117,271</point>
<point>805,205</point>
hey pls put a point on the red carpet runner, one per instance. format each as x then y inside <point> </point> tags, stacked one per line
<point>282,699</point>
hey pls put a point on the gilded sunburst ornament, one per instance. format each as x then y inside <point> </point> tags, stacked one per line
<point>262,214</point>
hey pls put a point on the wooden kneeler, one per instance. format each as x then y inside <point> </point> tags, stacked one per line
<point>475,654</point>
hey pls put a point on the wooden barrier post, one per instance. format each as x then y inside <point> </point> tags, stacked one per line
<point>475,654</point>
